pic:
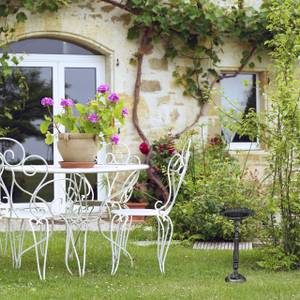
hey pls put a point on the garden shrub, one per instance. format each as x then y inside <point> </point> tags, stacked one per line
<point>215,181</point>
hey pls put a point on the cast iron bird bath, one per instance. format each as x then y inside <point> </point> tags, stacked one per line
<point>237,215</point>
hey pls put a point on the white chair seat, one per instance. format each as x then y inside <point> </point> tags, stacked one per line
<point>27,214</point>
<point>22,205</point>
<point>135,212</point>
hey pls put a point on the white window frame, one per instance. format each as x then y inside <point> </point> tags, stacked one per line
<point>246,146</point>
<point>58,63</point>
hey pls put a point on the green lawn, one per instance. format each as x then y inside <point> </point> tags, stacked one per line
<point>190,274</point>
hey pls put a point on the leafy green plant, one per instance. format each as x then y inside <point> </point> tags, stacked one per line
<point>97,117</point>
<point>278,129</point>
<point>215,181</point>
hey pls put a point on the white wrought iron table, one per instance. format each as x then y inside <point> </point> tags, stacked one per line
<point>84,192</point>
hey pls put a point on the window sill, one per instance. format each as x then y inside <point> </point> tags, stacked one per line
<point>244,147</point>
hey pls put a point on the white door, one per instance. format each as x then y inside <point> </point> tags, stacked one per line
<point>57,76</point>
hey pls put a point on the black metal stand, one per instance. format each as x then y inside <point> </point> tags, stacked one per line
<point>237,215</point>
<point>235,276</point>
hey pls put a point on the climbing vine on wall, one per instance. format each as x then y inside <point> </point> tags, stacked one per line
<point>194,30</point>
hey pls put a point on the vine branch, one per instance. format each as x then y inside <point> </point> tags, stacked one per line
<point>122,6</point>
<point>145,45</point>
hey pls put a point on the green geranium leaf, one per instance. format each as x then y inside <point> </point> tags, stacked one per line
<point>49,138</point>
<point>44,126</point>
<point>81,108</point>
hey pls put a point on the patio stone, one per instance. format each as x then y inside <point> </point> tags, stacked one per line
<point>221,246</point>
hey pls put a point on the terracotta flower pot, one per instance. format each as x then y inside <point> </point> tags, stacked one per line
<point>138,205</point>
<point>78,147</point>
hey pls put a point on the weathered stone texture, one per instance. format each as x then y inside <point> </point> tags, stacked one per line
<point>163,100</point>
<point>174,115</point>
<point>158,64</point>
<point>150,86</point>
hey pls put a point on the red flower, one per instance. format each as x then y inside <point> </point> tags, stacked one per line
<point>144,148</point>
<point>215,141</point>
<point>171,150</point>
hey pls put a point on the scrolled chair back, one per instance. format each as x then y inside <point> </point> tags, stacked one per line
<point>12,152</point>
<point>176,171</point>
<point>119,185</point>
<point>13,161</point>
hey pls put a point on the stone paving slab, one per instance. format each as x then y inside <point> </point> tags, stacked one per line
<point>221,246</point>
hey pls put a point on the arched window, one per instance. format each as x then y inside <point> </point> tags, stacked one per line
<point>49,46</point>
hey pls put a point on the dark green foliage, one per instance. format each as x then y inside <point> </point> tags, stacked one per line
<point>215,181</point>
<point>196,31</point>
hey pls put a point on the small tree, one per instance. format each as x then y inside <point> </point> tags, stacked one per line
<point>279,129</point>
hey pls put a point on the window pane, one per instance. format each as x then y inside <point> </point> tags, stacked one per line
<point>80,85</point>
<point>48,46</point>
<point>22,117</point>
<point>239,95</point>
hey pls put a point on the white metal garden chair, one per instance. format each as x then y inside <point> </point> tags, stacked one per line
<point>117,188</point>
<point>122,218</point>
<point>119,185</point>
<point>36,213</point>
<point>39,213</point>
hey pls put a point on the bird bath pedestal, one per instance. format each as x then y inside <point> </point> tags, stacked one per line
<point>237,215</point>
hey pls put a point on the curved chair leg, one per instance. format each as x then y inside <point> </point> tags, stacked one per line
<point>118,238</point>
<point>6,238</point>
<point>16,243</point>
<point>164,238</point>
<point>67,250</point>
<point>20,245</point>
<point>32,222</point>
<point>73,250</point>
<point>70,251</point>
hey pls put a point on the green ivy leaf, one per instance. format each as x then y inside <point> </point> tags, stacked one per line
<point>251,65</point>
<point>133,33</point>
<point>21,17</point>
<point>3,10</point>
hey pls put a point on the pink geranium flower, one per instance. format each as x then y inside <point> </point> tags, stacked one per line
<point>46,101</point>
<point>124,112</point>
<point>93,118</point>
<point>103,88</point>
<point>113,97</point>
<point>115,139</point>
<point>67,102</point>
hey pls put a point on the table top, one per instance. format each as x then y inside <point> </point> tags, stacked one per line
<point>56,169</point>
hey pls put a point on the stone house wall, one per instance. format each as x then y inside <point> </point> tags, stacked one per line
<point>163,107</point>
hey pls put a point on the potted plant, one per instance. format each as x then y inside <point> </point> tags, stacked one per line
<point>86,126</point>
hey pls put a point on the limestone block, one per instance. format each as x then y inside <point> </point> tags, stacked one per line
<point>174,115</point>
<point>158,64</point>
<point>150,86</point>
<point>163,100</point>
